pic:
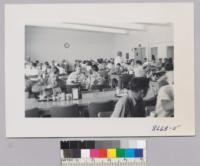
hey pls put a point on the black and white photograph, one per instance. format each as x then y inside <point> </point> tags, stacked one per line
<point>99,70</point>
<point>106,69</point>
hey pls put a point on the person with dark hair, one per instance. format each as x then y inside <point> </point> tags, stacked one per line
<point>109,65</point>
<point>48,86</point>
<point>160,63</point>
<point>169,73</point>
<point>168,66</point>
<point>76,77</point>
<point>101,64</point>
<point>88,66</point>
<point>138,69</point>
<point>65,66</point>
<point>116,69</point>
<point>118,58</point>
<point>130,66</point>
<point>153,61</point>
<point>165,98</point>
<point>94,78</point>
<point>31,71</point>
<point>132,105</point>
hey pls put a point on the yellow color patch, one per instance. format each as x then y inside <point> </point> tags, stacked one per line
<point>111,153</point>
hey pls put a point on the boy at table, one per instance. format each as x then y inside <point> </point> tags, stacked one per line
<point>132,105</point>
<point>76,77</point>
<point>51,85</point>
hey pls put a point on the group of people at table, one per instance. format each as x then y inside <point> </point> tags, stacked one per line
<point>44,80</point>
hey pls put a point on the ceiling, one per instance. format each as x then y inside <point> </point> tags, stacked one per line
<point>104,27</point>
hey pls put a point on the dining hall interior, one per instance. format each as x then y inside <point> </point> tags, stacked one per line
<point>87,70</point>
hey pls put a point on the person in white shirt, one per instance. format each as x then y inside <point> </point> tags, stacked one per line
<point>76,77</point>
<point>165,102</point>
<point>109,65</point>
<point>138,69</point>
<point>165,98</point>
<point>130,66</point>
<point>118,58</point>
<point>31,71</point>
<point>88,66</point>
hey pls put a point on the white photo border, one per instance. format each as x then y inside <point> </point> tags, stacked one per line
<point>180,14</point>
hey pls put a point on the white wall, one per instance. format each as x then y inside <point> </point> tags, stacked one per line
<point>46,44</point>
<point>155,36</point>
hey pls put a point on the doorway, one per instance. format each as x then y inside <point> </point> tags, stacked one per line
<point>170,52</point>
<point>140,53</point>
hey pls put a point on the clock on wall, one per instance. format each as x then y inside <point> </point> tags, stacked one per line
<point>66,45</point>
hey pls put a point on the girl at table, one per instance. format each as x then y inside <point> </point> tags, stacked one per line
<point>132,105</point>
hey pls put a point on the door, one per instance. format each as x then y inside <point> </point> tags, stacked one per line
<point>170,52</point>
<point>140,53</point>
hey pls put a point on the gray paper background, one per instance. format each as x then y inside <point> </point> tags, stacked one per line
<point>161,151</point>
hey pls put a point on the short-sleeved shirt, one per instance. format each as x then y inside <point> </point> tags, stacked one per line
<point>165,93</point>
<point>76,78</point>
<point>139,71</point>
<point>129,106</point>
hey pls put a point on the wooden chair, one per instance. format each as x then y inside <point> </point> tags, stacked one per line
<point>95,108</point>
<point>64,111</point>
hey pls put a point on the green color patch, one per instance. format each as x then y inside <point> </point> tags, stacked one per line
<point>120,153</point>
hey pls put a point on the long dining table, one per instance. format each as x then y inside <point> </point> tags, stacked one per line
<point>89,97</point>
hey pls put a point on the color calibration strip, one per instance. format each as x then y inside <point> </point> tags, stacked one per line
<point>103,153</point>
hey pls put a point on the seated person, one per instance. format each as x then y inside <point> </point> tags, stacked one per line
<point>31,71</point>
<point>49,86</point>
<point>165,102</point>
<point>65,66</point>
<point>94,78</point>
<point>138,69</point>
<point>76,77</point>
<point>165,98</point>
<point>88,66</point>
<point>110,65</point>
<point>160,63</point>
<point>117,70</point>
<point>132,105</point>
<point>147,70</point>
<point>101,64</point>
<point>168,76</point>
<point>61,69</point>
<point>32,75</point>
<point>153,61</point>
<point>130,67</point>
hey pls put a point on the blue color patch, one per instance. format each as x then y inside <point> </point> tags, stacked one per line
<point>130,153</point>
<point>138,152</point>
